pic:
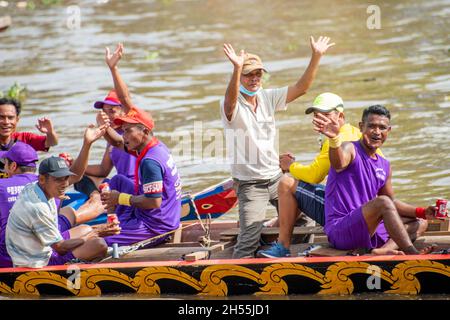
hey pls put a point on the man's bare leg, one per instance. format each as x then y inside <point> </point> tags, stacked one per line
<point>93,248</point>
<point>288,212</point>
<point>383,208</point>
<point>415,229</point>
<point>91,209</point>
<point>80,231</point>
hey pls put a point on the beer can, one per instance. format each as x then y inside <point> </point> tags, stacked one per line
<point>441,211</point>
<point>111,218</point>
<point>104,187</point>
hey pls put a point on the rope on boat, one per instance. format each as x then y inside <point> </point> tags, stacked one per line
<point>205,240</point>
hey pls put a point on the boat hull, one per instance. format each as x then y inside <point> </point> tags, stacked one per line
<point>319,275</point>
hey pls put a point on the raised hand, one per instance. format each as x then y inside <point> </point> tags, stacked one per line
<point>102,118</point>
<point>320,46</point>
<point>44,125</point>
<point>113,59</point>
<point>236,60</point>
<point>93,133</point>
<point>327,126</point>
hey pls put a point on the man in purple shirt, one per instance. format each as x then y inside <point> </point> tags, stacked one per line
<point>359,195</point>
<point>151,205</point>
<point>20,165</point>
<point>114,157</point>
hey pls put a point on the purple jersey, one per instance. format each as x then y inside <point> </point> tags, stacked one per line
<point>122,161</point>
<point>167,217</point>
<point>9,191</point>
<point>353,187</point>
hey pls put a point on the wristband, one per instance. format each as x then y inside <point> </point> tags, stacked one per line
<point>335,142</point>
<point>125,199</point>
<point>420,213</point>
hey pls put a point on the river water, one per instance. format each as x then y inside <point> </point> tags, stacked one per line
<point>176,69</point>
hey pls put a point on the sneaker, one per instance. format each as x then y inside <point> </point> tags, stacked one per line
<point>275,251</point>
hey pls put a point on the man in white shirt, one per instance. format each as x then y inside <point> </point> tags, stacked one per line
<point>247,113</point>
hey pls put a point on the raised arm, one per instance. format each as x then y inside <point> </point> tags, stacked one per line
<point>119,85</point>
<point>232,93</point>
<point>111,135</point>
<point>45,126</point>
<point>103,169</point>
<point>341,154</point>
<point>91,134</point>
<point>318,48</point>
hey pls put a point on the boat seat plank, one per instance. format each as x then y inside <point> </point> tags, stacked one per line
<point>234,232</point>
<point>206,252</point>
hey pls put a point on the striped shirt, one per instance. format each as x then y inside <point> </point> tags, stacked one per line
<point>32,228</point>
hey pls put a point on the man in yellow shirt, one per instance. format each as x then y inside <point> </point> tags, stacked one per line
<point>303,192</point>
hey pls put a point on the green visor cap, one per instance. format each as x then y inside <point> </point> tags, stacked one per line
<point>326,102</point>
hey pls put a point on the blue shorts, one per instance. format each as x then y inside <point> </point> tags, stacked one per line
<point>310,201</point>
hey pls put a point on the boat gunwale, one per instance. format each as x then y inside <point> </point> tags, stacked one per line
<point>246,261</point>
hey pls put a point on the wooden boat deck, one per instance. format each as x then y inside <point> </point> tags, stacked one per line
<point>224,234</point>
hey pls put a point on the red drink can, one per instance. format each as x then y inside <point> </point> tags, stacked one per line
<point>441,205</point>
<point>104,187</point>
<point>111,218</point>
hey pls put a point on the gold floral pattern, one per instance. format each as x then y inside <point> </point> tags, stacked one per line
<point>213,279</point>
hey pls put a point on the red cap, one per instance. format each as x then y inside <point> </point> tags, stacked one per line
<point>137,116</point>
<point>111,99</point>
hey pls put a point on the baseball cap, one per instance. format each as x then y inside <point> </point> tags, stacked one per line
<point>252,62</point>
<point>56,167</point>
<point>326,102</point>
<point>22,154</point>
<point>136,116</point>
<point>111,99</point>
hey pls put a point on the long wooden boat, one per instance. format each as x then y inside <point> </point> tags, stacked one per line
<point>186,267</point>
